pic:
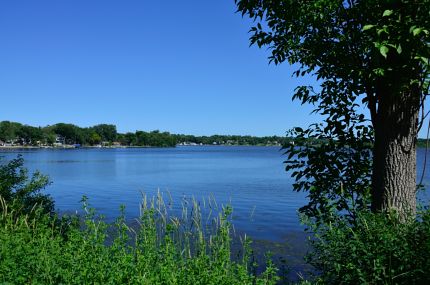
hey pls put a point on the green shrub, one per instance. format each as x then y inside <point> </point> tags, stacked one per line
<point>20,191</point>
<point>162,249</point>
<point>378,249</point>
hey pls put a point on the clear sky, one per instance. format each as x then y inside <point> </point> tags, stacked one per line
<point>178,66</point>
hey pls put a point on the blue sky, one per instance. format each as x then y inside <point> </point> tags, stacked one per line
<point>178,66</point>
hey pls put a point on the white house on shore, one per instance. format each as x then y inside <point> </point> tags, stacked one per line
<point>60,140</point>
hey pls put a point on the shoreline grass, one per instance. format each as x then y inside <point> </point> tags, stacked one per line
<point>165,249</point>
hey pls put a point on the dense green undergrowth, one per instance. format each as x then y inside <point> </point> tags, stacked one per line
<point>161,250</point>
<point>376,249</point>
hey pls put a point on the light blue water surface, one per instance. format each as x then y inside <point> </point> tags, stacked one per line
<point>251,179</point>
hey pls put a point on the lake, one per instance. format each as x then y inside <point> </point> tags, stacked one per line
<point>251,179</point>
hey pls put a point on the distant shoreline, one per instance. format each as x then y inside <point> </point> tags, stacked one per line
<point>70,147</point>
<point>136,147</point>
<point>120,147</point>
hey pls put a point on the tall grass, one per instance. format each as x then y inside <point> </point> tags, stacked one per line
<point>162,249</point>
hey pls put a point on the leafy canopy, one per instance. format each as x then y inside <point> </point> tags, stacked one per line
<point>22,192</point>
<point>359,52</point>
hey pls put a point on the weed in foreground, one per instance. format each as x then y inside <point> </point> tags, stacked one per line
<point>162,249</point>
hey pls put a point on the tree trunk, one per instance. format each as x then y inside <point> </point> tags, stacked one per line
<point>394,154</point>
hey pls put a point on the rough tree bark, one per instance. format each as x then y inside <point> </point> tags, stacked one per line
<point>394,155</point>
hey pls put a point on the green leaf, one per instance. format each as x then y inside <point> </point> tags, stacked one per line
<point>383,30</point>
<point>387,13</point>
<point>379,71</point>
<point>399,49</point>
<point>423,59</point>
<point>383,50</point>
<point>417,31</point>
<point>367,27</point>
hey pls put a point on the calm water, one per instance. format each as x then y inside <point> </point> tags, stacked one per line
<point>252,179</point>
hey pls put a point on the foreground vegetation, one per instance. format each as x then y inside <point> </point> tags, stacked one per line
<point>376,249</point>
<point>34,250</point>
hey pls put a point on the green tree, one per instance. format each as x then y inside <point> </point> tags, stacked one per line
<point>68,132</point>
<point>22,192</point>
<point>142,138</point>
<point>372,53</point>
<point>127,139</point>
<point>8,130</point>
<point>94,138</point>
<point>106,132</point>
<point>49,138</point>
<point>30,135</point>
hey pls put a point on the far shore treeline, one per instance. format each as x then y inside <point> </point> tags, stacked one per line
<point>62,134</point>
<point>13,134</point>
